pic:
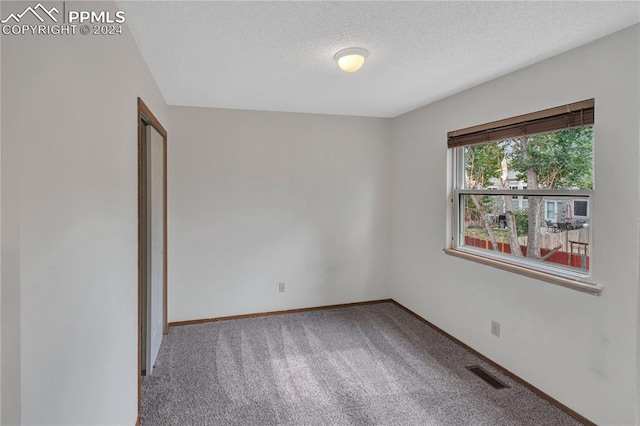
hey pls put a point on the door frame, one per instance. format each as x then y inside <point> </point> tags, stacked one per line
<point>146,118</point>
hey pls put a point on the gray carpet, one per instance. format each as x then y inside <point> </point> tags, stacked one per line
<point>364,365</point>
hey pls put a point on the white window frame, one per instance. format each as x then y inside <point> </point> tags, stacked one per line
<point>521,265</point>
<point>553,219</point>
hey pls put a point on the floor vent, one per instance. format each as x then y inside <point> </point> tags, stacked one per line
<point>484,375</point>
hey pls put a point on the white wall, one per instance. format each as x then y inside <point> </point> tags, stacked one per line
<point>9,276</point>
<point>10,273</point>
<point>258,198</point>
<point>0,243</point>
<point>578,348</point>
<point>69,135</point>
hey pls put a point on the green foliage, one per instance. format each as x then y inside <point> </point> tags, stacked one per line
<point>471,212</point>
<point>488,203</point>
<point>522,221</point>
<point>560,160</point>
<point>482,163</point>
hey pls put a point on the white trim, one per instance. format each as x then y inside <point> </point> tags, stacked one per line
<point>555,210</point>
<point>575,193</point>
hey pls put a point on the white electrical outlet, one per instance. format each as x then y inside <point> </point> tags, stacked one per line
<point>495,328</point>
<point>281,287</point>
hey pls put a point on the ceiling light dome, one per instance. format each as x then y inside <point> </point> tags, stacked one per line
<point>351,59</point>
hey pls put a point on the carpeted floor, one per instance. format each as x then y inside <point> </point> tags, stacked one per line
<point>372,364</point>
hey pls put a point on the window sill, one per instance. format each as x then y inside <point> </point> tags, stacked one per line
<point>582,286</point>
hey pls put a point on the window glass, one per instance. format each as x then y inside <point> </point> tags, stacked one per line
<point>549,226</point>
<point>580,208</point>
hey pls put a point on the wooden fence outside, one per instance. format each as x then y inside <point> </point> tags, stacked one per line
<point>561,257</point>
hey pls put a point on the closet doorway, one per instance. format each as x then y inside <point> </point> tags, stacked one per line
<point>152,241</point>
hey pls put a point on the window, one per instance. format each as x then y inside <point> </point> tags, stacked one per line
<point>580,208</point>
<point>514,197</point>
<point>550,211</point>
<point>521,191</point>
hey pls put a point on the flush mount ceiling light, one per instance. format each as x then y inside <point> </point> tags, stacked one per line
<point>351,59</point>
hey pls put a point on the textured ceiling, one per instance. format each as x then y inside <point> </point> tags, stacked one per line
<point>278,56</point>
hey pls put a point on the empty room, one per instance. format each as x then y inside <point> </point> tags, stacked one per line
<point>320,213</point>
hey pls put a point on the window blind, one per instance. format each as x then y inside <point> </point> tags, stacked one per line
<point>577,114</point>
